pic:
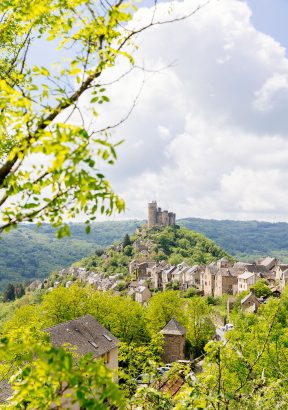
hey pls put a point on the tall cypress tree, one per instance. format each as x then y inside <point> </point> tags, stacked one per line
<point>126,240</point>
<point>9,293</point>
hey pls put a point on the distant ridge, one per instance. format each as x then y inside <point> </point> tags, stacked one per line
<point>244,239</point>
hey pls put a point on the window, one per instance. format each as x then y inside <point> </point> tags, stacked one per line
<point>106,357</point>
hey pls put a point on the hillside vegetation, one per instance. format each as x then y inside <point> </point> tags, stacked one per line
<point>27,254</point>
<point>246,240</point>
<point>173,244</point>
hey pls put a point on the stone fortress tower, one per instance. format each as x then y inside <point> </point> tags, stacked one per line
<point>158,217</point>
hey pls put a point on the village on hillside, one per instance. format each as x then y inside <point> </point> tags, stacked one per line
<point>220,277</point>
<point>246,286</point>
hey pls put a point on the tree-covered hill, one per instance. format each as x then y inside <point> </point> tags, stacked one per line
<point>26,253</point>
<point>172,243</point>
<point>246,240</point>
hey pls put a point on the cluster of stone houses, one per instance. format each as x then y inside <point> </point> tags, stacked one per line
<point>220,277</point>
<point>217,278</point>
<point>68,276</point>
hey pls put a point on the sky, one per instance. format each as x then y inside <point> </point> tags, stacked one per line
<point>208,137</point>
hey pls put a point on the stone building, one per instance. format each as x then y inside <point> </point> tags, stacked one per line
<point>226,281</point>
<point>174,341</point>
<point>140,268</point>
<point>250,303</point>
<point>87,336</point>
<point>142,294</point>
<point>209,279</point>
<point>158,217</point>
<point>245,281</point>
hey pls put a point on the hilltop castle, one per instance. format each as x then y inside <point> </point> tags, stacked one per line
<point>158,217</point>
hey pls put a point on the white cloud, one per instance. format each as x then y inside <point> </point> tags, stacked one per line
<point>274,90</point>
<point>209,135</point>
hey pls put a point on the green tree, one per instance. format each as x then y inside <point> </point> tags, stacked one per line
<point>124,317</point>
<point>126,241</point>
<point>50,156</point>
<point>147,398</point>
<point>162,307</point>
<point>135,360</point>
<point>19,290</point>
<point>9,293</point>
<point>249,371</point>
<point>262,289</point>
<point>200,328</point>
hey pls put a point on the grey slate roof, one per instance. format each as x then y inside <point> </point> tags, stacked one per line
<point>86,334</point>
<point>250,295</point>
<point>257,269</point>
<point>228,271</point>
<point>173,327</point>
<point>5,391</point>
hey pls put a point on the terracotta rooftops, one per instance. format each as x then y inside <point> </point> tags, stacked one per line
<point>173,327</point>
<point>86,334</point>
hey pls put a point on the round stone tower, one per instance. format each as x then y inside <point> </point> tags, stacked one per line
<point>152,214</point>
<point>174,341</point>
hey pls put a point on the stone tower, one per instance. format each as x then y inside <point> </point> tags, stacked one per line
<point>152,214</point>
<point>174,341</point>
<point>158,217</point>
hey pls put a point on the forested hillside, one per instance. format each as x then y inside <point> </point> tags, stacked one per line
<point>246,240</point>
<point>171,243</point>
<point>27,254</point>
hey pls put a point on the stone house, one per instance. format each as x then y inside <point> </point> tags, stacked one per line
<point>224,263</point>
<point>160,275</point>
<point>132,287</point>
<point>209,279</point>
<point>250,303</point>
<point>246,280</point>
<point>140,268</point>
<point>132,266</point>
<point>279,269</point>
<point>174,341</point>
<point>167,275</point>
<point>142,294</point>
<point>156,278</point>
<point>178,274</point>
<point>268,262</point>
<point>226,281</point>
<point>87,336</point>
<point>194,276</point>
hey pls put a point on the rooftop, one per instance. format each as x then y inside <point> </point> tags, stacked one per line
<point>246,275</point>
<point>173,327</point>
<point>86,334</point>
<point>251,294</point>
<point>5,391</point>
